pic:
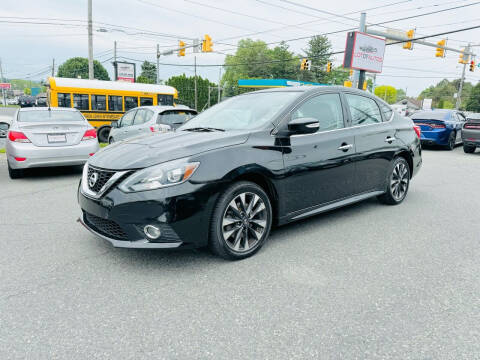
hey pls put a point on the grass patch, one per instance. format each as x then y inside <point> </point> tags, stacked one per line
<point>102,145</point>
<point>2,151</point>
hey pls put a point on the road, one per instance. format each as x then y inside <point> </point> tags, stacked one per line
<point>368,281</point>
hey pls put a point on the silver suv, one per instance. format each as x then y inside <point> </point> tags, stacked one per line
<point>147,119</point>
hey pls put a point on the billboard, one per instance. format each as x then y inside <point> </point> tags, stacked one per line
<point>364,52</point>
<point>427,104</point>
<point>124,71</point>
<point>5,85</point>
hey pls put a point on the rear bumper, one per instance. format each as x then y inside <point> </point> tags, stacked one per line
<point>36,156</point>
<point>471,137</point>
<point>435,137</point>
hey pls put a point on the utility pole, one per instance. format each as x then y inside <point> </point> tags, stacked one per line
<point>195,66</point>
<point>460,88</point>
<point>209,88</point>
<point>53,67</point>
<point>158,63</point>
<point>115,51</point>
<point>360,75</point>
<point>219,78</point>
<point>3,80</point>
<point>90,41</point>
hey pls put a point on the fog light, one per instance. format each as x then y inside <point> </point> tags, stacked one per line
<point>152,232</point>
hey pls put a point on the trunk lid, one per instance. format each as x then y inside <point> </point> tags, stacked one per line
<point>53,133</point>
<point>429,125</point>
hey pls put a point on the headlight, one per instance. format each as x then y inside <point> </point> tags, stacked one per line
<point>158,176</point>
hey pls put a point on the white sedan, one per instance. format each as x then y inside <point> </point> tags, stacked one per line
<point>41,137</point>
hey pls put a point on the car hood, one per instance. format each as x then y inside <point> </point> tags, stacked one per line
<point>157,148</point>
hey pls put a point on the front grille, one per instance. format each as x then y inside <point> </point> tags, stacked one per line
<point>105,227</point>
<point>102,177</point>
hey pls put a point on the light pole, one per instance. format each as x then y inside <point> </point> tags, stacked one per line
<point>90,42</point>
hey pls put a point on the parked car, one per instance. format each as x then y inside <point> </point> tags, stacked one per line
<point>40,137</point>
<point>440,127</point>
<point>26,101</point>
<point>255,160</point>
<point>41,100</point>
<point>5,122</point>
<point>471,133</point>
<point>12,101</point>
<point>147,119</point>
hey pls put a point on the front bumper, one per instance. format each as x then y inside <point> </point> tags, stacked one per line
<point>471,137</point>
<point>181,212</point>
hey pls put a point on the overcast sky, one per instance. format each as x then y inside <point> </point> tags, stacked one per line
<point>27,48</point>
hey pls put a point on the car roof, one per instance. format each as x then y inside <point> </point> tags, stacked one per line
<point>46,109</point>
<point>161,108</point>
<point>315,89</point>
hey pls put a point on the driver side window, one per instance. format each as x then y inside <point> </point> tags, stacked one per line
<point>327,109</point>
<point>127,119</point>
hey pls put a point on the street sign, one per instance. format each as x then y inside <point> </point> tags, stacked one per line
<point>364,52</point>
<point>5,85</point>
<point>427,104</point>
<point>124,71</point>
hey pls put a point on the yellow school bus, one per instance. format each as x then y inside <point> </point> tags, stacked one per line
<point>103,101</point>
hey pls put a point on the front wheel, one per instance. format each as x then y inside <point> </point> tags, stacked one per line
<point>103,133</point>
<point>110,140</point>
<point>241,221</point>
<point>397,183</point>
<point>469,149</point>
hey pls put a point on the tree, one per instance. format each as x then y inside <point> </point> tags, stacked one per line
<point>149,73</point>
<point>284,65</point>
<point>186,90</point>
<point>473,102</point>
<point>78,67</point>
<point>401,95</point>
<point>318,52</point>
<point>27,91</point>
<point>444,91</point>
<point>387,93</point>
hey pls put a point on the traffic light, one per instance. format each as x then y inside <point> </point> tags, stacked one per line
<point>305,64</point>
<point>347,83</point>
<point>207,44</point>
<point>329,67</point>
<point>463,58</point>
<point>440,50</point>
<point>351,72</point>
<point>472,66</point>
<point>181,48</point>
<point>409,44</point>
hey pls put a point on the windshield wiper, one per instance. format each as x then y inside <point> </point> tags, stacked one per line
<point>203,129</point>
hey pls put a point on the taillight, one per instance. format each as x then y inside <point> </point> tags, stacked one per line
<point>89,134</point>
<point>17,136</point>
<point>472,126</point>
<point>418,131</point>
<point>437,126</point>
<point>153,129</point>
<point>20,158</point>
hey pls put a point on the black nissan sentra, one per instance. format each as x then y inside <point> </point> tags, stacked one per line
<point>254,161</point>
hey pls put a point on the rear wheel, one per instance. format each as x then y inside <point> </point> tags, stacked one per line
<point>398,182</point>
<point>469,149</point>
<point>15,173</point>
<point>241,221</point>
<point>451,141</point>
<point>110,140</point>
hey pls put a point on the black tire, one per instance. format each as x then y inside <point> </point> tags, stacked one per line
<point>15,173</point>
<point>103,133</point>
<point>111,140</point>
<point>252,221</point>
<point>451,141</point>
<point>396,176</point>
<point>469,149</point>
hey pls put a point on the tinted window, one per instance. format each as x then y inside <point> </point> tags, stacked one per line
<point>4,126</point>
<point>64,100</point>
<point>127,119</point>
<point>47,116</point>
<point>327,109</point>
<point>115,103</point>
<point>142,116</point>
<point>165,100</point>
<point>146,101</point>
<point>130,102</point>
<point>175,117</point>
<point>80,101</point>
<point>364,110</point>
<point>387,111</point>
<point>99,102</point>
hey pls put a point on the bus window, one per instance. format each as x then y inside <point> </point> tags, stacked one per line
<point>146,101</point>
<point>130,102</point>
<point>64,100</point>
<point>80,101</point>
<point>99,102</point>
<point>165,99</point>
<point>115,103</point>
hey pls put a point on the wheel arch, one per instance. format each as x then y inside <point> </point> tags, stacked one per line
<point>408,157</point>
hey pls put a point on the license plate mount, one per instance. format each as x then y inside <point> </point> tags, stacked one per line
<point>56,138</point>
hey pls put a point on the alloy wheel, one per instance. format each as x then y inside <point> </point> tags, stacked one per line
<point>399,181</point>
<point>244,222</point>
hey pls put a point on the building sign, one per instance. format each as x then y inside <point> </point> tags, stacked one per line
<point>5,85</point>
<point>427,104</point>
<point>364,52</point>
<point>124,71</point>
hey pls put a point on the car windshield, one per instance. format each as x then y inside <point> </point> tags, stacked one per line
<point>173,117</point>
<point>49,115</point>
<point>243,112</point>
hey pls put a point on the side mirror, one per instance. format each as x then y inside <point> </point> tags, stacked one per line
<point>114,124</point>
<point>303,126</point>
<point>4,129</point>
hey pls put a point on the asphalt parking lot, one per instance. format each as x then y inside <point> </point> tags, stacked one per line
<point>367,281</point>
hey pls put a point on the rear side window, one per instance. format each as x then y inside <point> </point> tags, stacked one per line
<point>130,102</point>
<point>142,116</point>
<point>327,109</point>
<point>165,100</point>
<point>64,100</point>
<point>146,101</point>
<point>364,110</point>
<point>387,111</point>
<point>175,117</point>
<point>115,103</point>
<point>80,101</point>
<point>127,119</point>
<point>99,102</point>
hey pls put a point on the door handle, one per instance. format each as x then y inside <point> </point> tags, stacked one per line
<point>390,139</point>
<point>345,147</point>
